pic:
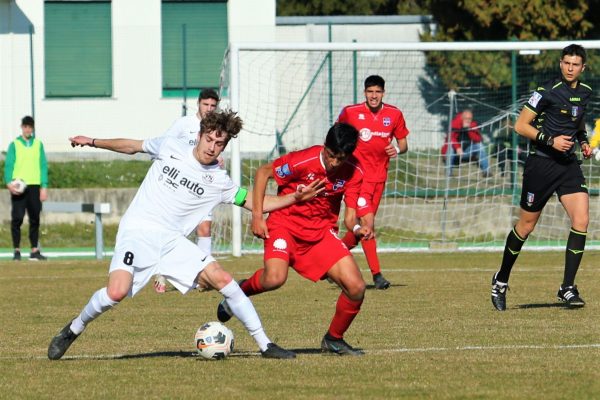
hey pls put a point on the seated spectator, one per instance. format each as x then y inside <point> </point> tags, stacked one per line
<point>466,143</point>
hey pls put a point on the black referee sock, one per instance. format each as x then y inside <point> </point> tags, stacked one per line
<point>512,248</point>
<point>573,255</point>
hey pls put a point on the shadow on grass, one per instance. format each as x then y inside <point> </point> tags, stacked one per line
<point>371,286</point>
<point>393,285</point>
<point>542,305</point>
<point>189,354</point>
<point>174,354</point>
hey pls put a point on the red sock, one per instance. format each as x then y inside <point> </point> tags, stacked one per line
<point>252,286</point>
<point>345,311</point>
<point>370,249</point>
<point>349,240</point>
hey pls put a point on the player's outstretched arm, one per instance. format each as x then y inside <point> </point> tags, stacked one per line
<point>303,193</point>
<point>126,146</point>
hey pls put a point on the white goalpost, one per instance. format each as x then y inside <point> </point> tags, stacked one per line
<point>289,94</point>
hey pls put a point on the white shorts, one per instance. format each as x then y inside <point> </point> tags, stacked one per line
<point>145,253</point>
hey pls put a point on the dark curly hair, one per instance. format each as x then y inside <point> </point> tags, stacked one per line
<point>224,122</point>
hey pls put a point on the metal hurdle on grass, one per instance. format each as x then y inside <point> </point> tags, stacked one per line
<point>73,207</point>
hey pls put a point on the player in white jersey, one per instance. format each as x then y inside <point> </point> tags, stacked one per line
<point>183,184</point>
<point>186,129</point>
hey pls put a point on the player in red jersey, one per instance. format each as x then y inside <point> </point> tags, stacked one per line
<point>304,236</point>
<point>378,124</point>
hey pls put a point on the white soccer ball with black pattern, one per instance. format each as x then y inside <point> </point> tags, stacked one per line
<point>19,185</point>
<point>214,341</point>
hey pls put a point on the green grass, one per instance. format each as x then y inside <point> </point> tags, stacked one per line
<point>433,335</point>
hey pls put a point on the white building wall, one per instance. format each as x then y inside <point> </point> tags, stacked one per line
<point>137,108</point>
<point>14,70</point>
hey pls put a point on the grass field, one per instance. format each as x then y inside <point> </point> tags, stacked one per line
<point>432,335</point>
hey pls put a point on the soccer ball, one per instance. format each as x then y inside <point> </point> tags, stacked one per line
<point>19,185</point>
<point>214,341</point>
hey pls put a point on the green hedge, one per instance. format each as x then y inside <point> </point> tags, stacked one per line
<point>95,174</point>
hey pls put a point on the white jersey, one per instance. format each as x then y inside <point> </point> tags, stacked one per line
<point>186,128</point>
<point>177,190</point>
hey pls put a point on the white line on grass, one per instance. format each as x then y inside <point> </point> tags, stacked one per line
<point>312,352</point>
<point>36,275</point>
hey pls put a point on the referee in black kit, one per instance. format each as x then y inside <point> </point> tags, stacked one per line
<point>553,119</point>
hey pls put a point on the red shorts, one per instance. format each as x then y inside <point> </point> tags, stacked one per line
<point>311,260</point>
<point>373,191</point>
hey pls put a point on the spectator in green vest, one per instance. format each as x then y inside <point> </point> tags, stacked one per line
<point>26,162</point>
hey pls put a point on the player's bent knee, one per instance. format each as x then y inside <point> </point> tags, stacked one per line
<point>116,293</point>
<point>356,290</point>
<point>214,276</point>
<point>273,282</point>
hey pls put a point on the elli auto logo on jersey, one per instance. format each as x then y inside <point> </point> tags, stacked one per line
<point>173,181</point>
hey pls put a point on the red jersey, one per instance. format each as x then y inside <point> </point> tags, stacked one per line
<point>310,220</point>
<point>376,132</point>
<point>461,137</point>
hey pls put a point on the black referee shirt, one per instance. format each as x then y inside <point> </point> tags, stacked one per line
<point>559,110</point>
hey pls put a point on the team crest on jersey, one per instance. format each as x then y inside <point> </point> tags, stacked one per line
<point>208,178</point>
<point>574,111</point>
<point>283,170</point>
<point>361,116</point>
<point>534,99</point>
<point>310,177</point>
<point>530,198</point>
<point>387,121</point>
<point>339,183</point>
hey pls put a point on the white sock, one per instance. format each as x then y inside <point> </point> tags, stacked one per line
<point>242,308</point>
<point>205,244</point>
<point>98,304</point>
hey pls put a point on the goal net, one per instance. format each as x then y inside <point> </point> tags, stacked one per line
<point>289,95</point>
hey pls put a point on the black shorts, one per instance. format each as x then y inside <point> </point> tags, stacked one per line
<point>543,176</point>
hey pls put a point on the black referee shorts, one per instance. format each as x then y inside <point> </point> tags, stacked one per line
<point>543,176</point>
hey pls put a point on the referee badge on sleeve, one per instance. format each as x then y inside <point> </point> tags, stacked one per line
<point>534,99</point>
